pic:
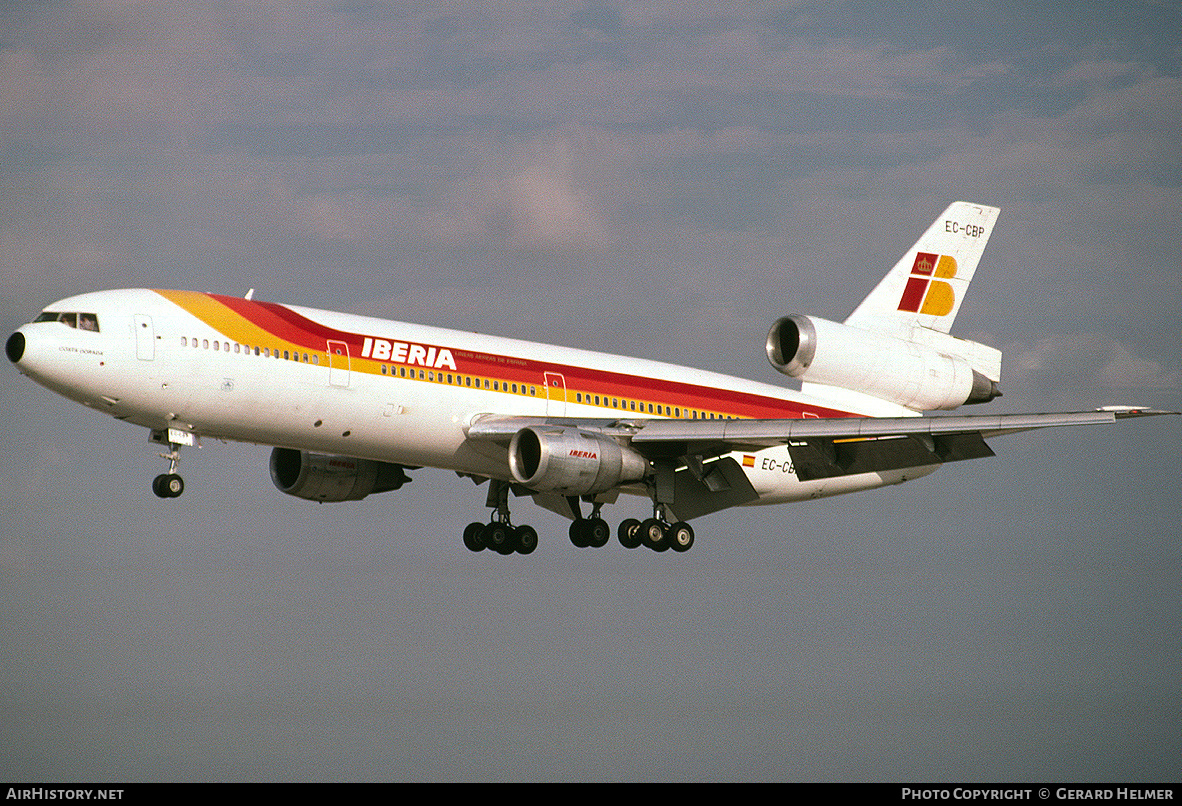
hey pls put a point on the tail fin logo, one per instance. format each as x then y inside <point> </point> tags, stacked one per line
<point>925,295</point>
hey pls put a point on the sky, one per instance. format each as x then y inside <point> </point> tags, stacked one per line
<point>652,179</point>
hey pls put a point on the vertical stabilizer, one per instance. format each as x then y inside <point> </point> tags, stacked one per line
<point>926,287</point>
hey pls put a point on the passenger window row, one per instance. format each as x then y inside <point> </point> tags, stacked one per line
<point>639,406</point>
<point>456,379</point>
<point>246,349</point>
<point>468,381</point>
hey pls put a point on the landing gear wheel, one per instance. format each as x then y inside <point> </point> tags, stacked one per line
<point>592,532</point>
<point>498,537</point>
<point>472,537</point>
<point>680,536</point>
<point>652,534</point>
<point>525,539</point>
<point>578,533</point>
<point>598,532</point>
<point>168,485</point>
<point>629,533</point>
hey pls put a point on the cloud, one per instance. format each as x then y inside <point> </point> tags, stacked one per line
<point>1123,370</point>
<point>547,207</point>
<point>1079,363</point>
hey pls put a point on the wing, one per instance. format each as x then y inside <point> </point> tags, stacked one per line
<point>820,448</point>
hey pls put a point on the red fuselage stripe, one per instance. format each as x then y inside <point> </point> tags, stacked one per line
<point>296,329</point>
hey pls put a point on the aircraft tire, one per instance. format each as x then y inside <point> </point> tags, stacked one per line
<point>652,534</point>
<point>497,537</point>
<point>168,485</point>
<point>525,539</point>
<point>629,533</point>
<point>578,533</point>
<point>598,532</point>
<point>680,536</point>
<point>472,537</point>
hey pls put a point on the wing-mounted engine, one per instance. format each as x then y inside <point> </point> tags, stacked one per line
<point>332,478</point>
<point>915,374</point>
<point>571,461</point>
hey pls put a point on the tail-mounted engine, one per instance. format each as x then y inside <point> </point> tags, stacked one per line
<point>332,478</point>
<point>908,373</point>
<point>572,462</point>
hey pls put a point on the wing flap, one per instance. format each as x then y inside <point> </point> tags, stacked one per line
<point>722,485</point>
<point>822,458</point>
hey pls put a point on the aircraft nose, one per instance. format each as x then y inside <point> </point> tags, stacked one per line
<point>15,347</point>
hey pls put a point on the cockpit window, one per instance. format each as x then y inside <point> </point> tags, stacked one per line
<point>81,321</point>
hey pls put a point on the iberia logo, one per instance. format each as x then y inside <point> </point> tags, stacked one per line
<point>925,295</point>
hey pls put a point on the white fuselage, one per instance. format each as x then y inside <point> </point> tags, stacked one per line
<point>357,386</point>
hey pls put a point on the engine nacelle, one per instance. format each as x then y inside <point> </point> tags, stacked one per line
<point>904,372</point>
<point>571,462</point>
<point>332,478</point>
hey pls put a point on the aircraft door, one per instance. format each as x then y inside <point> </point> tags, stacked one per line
<point>338,363</point>
<point>145,338</point>
<point>555,394</point>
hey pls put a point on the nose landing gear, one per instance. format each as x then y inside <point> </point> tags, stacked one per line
<point>170,484</point>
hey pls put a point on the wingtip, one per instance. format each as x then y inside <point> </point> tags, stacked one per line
<point>1135,411</point>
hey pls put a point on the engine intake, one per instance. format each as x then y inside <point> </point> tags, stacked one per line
<point>905,372</point>
<point>571,462</point>
<point>332,478</point>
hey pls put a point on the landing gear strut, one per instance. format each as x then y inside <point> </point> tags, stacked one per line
<point>656,532</point>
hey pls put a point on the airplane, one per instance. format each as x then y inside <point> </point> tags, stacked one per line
<point>350,403</point>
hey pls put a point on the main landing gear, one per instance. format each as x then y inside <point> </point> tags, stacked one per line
<point>590,532</point>
<point>500,535</point>
<point>656,534</point>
